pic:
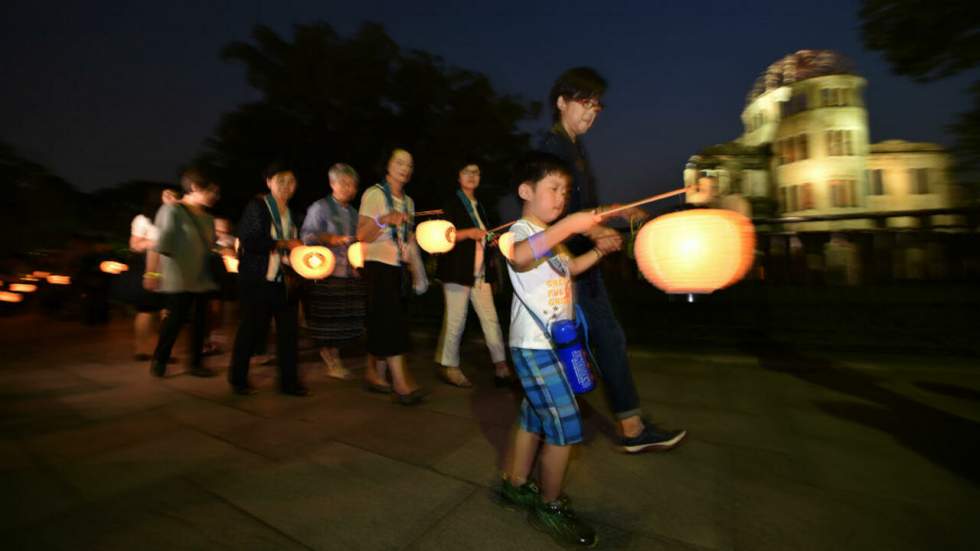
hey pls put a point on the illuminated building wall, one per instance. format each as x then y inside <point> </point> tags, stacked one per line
<point>806,151</point>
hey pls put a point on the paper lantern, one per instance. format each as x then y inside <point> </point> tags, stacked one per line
<point>506,244</point>
<point>41,274</point>
<point>312,262</point>
<point>355,255</point>
<point>113,267</point>
<point>436,236</point>
<point>231,263</point>
<point>7,296</point>
<point>22,287</point>
<point>59,279</point>
<point>29,277</point>
<point>695,251</point>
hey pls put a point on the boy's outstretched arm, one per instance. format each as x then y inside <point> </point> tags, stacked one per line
<point>585,261</point>
<point>524,253</point>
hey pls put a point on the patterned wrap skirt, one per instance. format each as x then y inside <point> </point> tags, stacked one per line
<point>335,309</point>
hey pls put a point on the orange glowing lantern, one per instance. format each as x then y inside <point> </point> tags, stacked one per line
<point>355,255</point>
<point>506,244</point>
<point>436,236</point>
<point>231,263</point>
<point>22,287</point>
<point>59,280</point>
<point>7,296</point>
<point>41,274</point>
<point>112,267</point>
<point>695,251</point>
<point>312,262</point>
<point>29,277</point>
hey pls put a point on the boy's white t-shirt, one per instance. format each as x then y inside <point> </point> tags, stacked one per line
<point>546,288</point>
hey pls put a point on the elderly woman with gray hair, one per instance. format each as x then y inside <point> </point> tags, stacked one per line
<point>335,306</point>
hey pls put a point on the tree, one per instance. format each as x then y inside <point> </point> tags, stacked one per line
<point>37,208</point>
<point>929,40</point>
<point>328,99</point>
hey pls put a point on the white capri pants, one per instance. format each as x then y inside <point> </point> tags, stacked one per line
<point>454,321</point>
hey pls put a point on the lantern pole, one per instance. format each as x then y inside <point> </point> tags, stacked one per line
<point>433,212</point>
<point>649,199</point>
<point>620,208</point>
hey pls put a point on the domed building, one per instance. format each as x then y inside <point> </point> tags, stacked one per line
<point>806,151</point>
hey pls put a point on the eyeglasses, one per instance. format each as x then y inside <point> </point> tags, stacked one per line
<point>590,103</point>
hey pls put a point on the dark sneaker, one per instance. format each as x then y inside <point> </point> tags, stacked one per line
<point>201,372</point>
<point>158,369</point>
<point>243,390</point>
<point>518,497</point>
<point>559,521</point>
<point>653,439</point>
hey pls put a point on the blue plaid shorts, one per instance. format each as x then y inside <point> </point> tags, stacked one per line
<point>549,406</point>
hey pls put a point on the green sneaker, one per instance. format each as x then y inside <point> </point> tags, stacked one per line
<point>559,521</point>
<point>518,497</point>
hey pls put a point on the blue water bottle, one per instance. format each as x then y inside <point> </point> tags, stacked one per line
<point>573,356</point>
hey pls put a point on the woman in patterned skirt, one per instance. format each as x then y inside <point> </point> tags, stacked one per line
<point>335,306</point>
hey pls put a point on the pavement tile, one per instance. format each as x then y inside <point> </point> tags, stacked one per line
<point>94,438</point>
<point>31,493</point>
<point>121,470</point>
<point>171,514</point>
<point>340,497</point>
<point>411,434</point>
<point>677,496</point>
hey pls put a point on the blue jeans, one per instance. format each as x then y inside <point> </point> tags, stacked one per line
<point>609,343</point>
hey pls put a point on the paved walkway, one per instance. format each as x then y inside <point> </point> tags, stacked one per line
<point>786,452</point>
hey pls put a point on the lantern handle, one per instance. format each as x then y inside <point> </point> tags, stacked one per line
<point>433,212</point>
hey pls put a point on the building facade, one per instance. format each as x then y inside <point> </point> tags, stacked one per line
<point>806,151</point>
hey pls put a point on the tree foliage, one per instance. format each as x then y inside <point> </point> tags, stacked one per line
<point>327,98</point>
<point>929,40</point>
<point>37,208</point>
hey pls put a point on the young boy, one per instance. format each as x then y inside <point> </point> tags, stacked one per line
<point>541,272</point>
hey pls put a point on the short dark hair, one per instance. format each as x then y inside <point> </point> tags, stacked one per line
<point>576,83</point>
<point>535,166</point>
<point>194,178</point>
<point>277,167</point>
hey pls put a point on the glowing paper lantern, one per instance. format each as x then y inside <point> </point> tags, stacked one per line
<point>29,277</point>
<point>436,236</point>
<point>355,255</point>
<point>59,280</point>
<point>506,244</point>
<point>41,274</point>
<point>112,267</point>
<point>695,251</point>
<point>312,262</point>
<point>22,287</point>
<point>231,263</point>
<point>7,296</point>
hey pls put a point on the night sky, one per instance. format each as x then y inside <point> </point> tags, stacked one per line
<point>104,92</point>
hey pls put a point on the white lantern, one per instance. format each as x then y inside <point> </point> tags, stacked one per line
<point>506,244</point>
<point>695,251</point>
<point>54,279</point>
<point>7,296</point>
<point>112,267</point>
<point>312,262</point>
<point>231,263</point>
<point>355,255</point>
<point>436,236</point>
<point>22,287</point>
